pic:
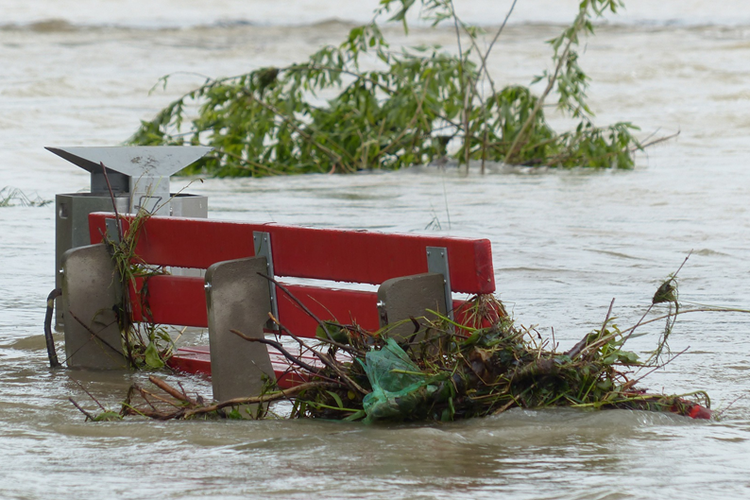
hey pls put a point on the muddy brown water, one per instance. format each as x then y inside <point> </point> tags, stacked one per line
<point>564,245</point>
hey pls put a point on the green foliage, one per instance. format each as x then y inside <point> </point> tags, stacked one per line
<point>146,344</point>
<point>408,107</point>
<point>332,331</point>
<point>107,416</point>
<point>149,346</point>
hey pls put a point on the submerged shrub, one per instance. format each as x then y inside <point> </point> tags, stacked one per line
<point>416,106</point>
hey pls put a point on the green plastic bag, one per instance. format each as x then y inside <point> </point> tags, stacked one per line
<point>398,385</point>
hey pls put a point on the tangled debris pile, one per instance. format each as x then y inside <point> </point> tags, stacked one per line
<point>446,371</point>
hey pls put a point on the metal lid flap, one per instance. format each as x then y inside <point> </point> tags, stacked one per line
<point>133,161</point>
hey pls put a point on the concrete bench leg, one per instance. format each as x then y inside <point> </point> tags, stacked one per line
<point>410,296</point>
<point>238,298</point>
<point>91,292</point>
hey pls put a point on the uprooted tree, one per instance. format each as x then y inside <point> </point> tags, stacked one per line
<point>393,109</point>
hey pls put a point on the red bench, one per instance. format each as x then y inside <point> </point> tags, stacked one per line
<point>425,269</point>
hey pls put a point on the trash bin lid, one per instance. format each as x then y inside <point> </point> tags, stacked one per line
<point>133,161</point>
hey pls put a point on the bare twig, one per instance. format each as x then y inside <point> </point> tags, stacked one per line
<point>657,367</point>
<point>161,384</point>
<point>308,312</point>
<point>265,398</point>
<point>114,202</point>
<point>279,347</point>
<point>145,394</point>
<point>657,141</point>
<point>583,343</point>
<point>80,385</point>
<point>550,85</point>
<point>89,416</point>
<point>93,333</point>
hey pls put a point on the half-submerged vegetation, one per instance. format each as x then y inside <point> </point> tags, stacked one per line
<point>10,196</point>
<point>146,345</point>
<point>394,109</point>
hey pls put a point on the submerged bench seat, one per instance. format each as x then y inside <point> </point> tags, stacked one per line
<point>412,273</point>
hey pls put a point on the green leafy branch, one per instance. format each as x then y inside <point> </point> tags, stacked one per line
<point>413,106</point>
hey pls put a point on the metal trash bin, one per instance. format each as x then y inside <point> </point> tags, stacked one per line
<point>138,177</point>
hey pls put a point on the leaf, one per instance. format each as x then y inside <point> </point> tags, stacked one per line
<point>358,415</point>
<point>627,357</point>
<point>107,416</point>
<point>337,398</point>
<point>336,332</point>
<point>152,357</point>
<point>666,292</point>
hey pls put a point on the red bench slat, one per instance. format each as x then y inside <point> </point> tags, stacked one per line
<point>181,300</point>
<point>171,300</point>
<point>337,255</point>
<point>343,306</point>
<point>197,360</point>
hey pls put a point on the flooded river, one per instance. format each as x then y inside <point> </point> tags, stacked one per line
<point>565,243</point>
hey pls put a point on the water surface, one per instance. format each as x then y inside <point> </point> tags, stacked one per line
<point>564,245</point>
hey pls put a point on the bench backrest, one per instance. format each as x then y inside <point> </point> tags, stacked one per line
<point>320,254</point>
